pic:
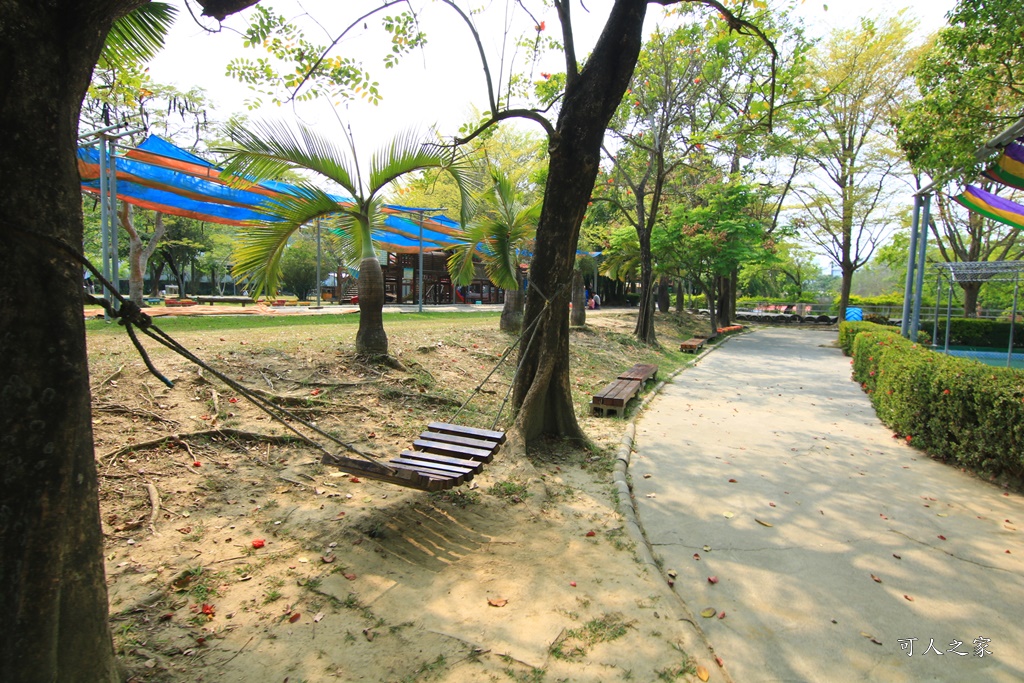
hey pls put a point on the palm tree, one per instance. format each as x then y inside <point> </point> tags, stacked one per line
<point>503,227</point>
<point>268,150</point>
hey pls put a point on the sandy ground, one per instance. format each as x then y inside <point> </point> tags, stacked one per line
<point>233,555</point>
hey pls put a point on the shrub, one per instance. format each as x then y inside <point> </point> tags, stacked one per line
<point>848,331</point>
<point>979,332</point>
<point>955,409</point>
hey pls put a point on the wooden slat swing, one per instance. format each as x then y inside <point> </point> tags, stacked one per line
<point>443,457</point>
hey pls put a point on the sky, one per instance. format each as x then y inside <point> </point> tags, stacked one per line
<point>439,85</point>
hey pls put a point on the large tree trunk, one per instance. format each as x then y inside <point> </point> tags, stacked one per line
<point>971,291</point>
<point>542,395</point>
<point>664,304</point>
<point>512,312</point>
<point>52,589</point>
<point>371,340</point>
<point>644,329</point>
<point>724,289</point>
<point>578,317</point>
<point>680,297</point>
<point>844,289</point>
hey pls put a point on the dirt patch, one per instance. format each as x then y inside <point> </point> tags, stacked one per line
<point>233,555</point>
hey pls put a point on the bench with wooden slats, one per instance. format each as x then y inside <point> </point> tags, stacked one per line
<point>693,345</point>
<point>612,400</point>
<point>444,456</point>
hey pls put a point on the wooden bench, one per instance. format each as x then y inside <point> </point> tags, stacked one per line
<point>444,456</point>
<point>613,398</point>
<point>693,345</point>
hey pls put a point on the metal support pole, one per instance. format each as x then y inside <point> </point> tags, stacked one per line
<point>104,234</point>
<point>938,296</point>
<point>319,278</point>
<point>1013,319</point>
<point>908,291</point>
<point>922,246</point>
<point>949,315</point>
<point>115,227</point>
<point>419,269</point>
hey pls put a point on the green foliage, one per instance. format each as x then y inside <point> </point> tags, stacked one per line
<point>298,268</point>
<point>970,82</point>
<point>980,332</point>
<point>510,491</point>
<point>137,36</point>
<point>848,332</point>
<point>955,409</point>
<point>293,61</point>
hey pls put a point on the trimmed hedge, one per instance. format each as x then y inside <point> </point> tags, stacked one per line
<point>848,331</point>
<point>955,409</point>
<point>980,332</point>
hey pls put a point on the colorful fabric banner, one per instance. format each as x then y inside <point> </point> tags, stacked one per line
<point>1009,168</point>
<point>992,206</point>
<point>160,176</point>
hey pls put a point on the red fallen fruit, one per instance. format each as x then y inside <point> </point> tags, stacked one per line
<point>294,617</point>
<point>197,464</point>
<point>591,533</point>
<point>712,579</point>
<point>941,537</point>
<point>572,583</point>
<point>721,615</point>
<point>732,481</point>
<point>258,543</point>
<point>718,661</point>
<point>354,480</point>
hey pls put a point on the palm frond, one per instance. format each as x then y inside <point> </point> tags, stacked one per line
<point>139,35</point>
<point>257,257</point>
<point>266,150</point>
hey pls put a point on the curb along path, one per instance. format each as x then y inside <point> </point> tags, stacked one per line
<point>831,551</point>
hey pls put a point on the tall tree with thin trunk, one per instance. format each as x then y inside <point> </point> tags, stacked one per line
<point>865,73</point>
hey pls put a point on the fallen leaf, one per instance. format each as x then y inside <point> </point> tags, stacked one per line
<point>647,476</point>
<point>732,481</point>
<point>908,597</point>
<point>706,549</point>
<point>351,577</point>
<point>294,617</point>
<point>708,612</point>
<point>651,495</point>
<point>318,617</point>
<point>941,514</point>
<point>771,504</point>
<point>497,602</point>
<point>762,523</point>
<point>728,515</point>
<point>876,641</point>
<point>702,673</point>
<point>327,559</point>
<point>875,579</point>
<point>898,557</point>
<point>712,579</point>
<point>941,537</point>
<point>696,556</point>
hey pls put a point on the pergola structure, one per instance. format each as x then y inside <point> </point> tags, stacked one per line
<point>979,271</point>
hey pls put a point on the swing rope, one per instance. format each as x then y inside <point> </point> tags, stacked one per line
<point>129,315</point>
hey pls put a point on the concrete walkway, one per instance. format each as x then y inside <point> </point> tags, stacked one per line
<point>841,554</point>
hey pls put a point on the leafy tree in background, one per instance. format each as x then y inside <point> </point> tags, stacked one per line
<point>970,83</point>
<point>866,73</point>
<point>712,239</point>
<point>298,267</point>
